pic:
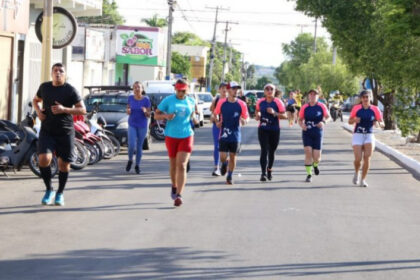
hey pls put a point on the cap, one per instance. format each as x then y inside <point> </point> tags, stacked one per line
<point>223,84</point>
<point>313,90</point>
<point>364,92</point>
<point>270,85</point>
<point>181,85</point>
<point>233,84</point>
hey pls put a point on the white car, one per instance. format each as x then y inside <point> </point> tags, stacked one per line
<point>207,99</point>
<point>200,107</point>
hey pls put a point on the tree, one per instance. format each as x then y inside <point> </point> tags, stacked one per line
<point>110,15</point>
<point>250,77</point>
<point>180,64</point>
<point>261,82</point>
<point>189,39</point>
<point>155,21</point>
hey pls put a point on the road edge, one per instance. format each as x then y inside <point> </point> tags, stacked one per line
<point>404,161</point>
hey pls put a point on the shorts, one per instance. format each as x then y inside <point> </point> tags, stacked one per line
<point>291,108</point>
<point>229,147</point>
<point>62,145</point>
<point>175,145</point>
<point>359,139</point>
<point>313,139</point>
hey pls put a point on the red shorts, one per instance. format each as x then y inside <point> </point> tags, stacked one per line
<point>175,145</point>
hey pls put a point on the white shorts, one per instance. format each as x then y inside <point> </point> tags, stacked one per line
<point>359,139</point>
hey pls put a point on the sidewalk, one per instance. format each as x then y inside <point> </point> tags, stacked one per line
<point>390,143</point>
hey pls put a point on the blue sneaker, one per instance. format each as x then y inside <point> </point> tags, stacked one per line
<point>173,193</point>
<point>59,199</point>
<point>48,197</point>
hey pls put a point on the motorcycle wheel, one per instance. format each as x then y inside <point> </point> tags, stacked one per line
<point>101,149</point>
<point>157,133</point>
<point>34,164</point>
<point>109,151</point>
<point>93,153</point>
<point>81,156</point>
<point>116,143</point>
<point>146,142</point>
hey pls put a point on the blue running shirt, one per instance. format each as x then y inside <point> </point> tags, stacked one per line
<point>231,112</point>
<point>179,126</point>
<point>367,117</point>
<point>268,121</point>
<point>312,115</point>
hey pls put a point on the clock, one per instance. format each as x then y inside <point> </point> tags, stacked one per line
<point>64,27</point>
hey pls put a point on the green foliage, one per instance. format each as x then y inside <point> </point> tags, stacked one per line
<point>110,15</point>
<point>378,39</point>
<point>261,82</point>
<point>155,21</point>
<point>189,39</point>
<point>180,64</point>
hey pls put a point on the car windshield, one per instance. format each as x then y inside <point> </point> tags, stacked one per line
<point>109,103</point>
<point>260,94</point>
<point>156,98</point>
<point>205,97</point>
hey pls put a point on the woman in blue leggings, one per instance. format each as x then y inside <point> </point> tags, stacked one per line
<point>216,130</point>
<point>138,109</point>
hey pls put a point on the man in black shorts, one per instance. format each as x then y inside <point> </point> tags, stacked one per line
<point>59,102</point>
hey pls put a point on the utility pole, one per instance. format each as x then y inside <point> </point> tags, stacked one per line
<point>213,48</point>
<point>225,48</point>
<point>47,22</point>
<point>169,54</point>
<point>316,25</point>
<point>334,56</point>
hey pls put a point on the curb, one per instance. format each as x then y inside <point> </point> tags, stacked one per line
<point>404,161</point>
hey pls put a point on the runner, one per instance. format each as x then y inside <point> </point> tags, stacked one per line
<point>178,109</point>
<point>269,111</point>
<point>291,108</point>
<point>233,113</point>
<point>138,109</point>
<point>364,116</point>
<point>298,98</point>
<point>215,129</point>
<point>312,119</point>
<point>60,101</point>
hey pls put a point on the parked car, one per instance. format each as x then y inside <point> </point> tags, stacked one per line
<point>112,101</point>
<point>207,99</point>
<point>200,107</point>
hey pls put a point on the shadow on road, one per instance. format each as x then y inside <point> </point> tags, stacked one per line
<point>165,263</point>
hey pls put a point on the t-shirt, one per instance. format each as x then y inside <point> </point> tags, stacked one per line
<point>179,126</point>
<point>267,120</point>
<point>291,101</point>
<point>67,96</point>
<point>298,100</point>
<point>367,117</point>
<point>312,115</point>
<point>137,117</point>
<point>231,112</point>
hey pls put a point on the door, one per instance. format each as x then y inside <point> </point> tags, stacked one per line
<point>6,47</point>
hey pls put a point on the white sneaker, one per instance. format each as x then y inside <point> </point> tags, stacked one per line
<point>363,183</point>
<point>356,178</point>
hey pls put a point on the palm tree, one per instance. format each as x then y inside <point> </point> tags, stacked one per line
<point>155,21</point>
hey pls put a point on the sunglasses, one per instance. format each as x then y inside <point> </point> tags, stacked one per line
<point>269,89</point>
<point>182,91</point>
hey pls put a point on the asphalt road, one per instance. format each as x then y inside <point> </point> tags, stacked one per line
<point>123,226</point>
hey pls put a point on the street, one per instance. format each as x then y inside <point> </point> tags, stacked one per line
<point>124,226</point>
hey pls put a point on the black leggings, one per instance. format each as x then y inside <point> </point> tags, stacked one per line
<point>269,140</point>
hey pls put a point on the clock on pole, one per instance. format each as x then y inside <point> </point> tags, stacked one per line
<point>64,27</point>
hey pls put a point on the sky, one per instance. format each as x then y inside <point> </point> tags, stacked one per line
<point>262,26</point>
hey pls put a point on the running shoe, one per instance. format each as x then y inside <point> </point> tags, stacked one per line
<point>223,169</point>
<point>128,167</point>
<point>269,175</point>
<point>229,180</point>
<point>216,172</point>
<point>363,183</point>
<point>263,178</point>
<point>178,201</point>
<point>59,199</point>
<point>137,168</point>
<point>356,178</point>
<point>48,197</point>
<point>309,178</point>
<point>316,170</point>
<point>173,193</point>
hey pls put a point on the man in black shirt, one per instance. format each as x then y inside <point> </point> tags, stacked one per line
<point>59,102</point>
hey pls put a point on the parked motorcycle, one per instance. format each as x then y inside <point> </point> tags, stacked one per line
<point>110,142</point>
<point>157,128</point>
<point>18,146</point>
